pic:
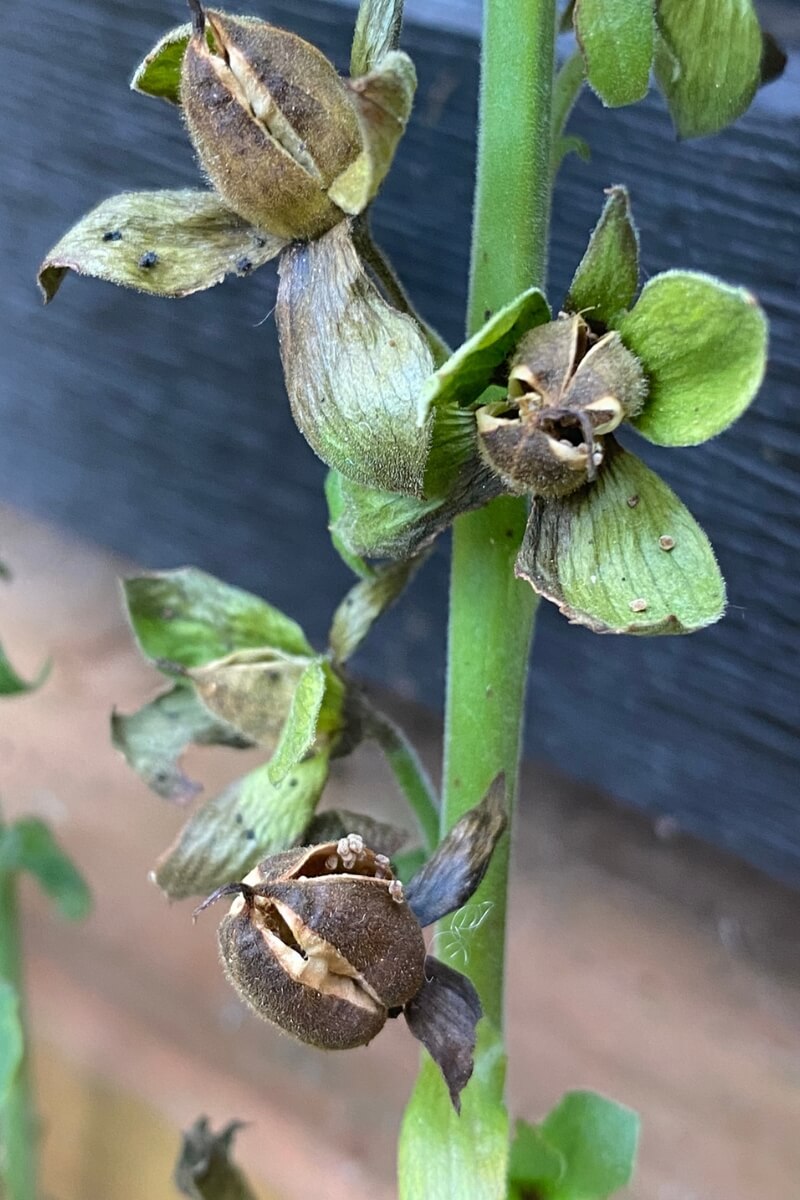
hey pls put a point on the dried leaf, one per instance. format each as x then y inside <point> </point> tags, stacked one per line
<point>377,32</point>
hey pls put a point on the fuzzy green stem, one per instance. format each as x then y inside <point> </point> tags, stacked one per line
<point>410,774</point>
<point>491,612</point>
<point>18,1121</point>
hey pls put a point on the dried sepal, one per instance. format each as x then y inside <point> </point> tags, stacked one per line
<point>443,1016</point>
<point>336,823</point>
<point>154,738</point>
<point>353,366</point>
<point>229,834</point>
<point>204,1170</point>
<point>169,243</point>
<point>458,865</point>
<point>270,120</point>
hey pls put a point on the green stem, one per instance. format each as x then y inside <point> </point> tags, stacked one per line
<point>18,1121</point>
<point>410,774</point>
<point>491,613</point>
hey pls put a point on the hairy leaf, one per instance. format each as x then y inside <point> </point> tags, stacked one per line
<point>250,820</point>
<point>623,554</point>
<point>365,602</point>
<point>300,727</point>
<point>607,277</point>
<point>616,39</point>
<point>707,62</point>
<point>169,243</point>
<point>377,32</point>
<point>189,617</point>
<point>703,346</point>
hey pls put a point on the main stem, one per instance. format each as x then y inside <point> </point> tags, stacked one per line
<point>18,1121</point>
<point>491,612</point>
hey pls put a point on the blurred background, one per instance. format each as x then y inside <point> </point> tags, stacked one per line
<point>655,915</point>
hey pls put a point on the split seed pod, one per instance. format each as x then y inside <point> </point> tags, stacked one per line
<point>326,943</point>
<point>270,120</point>
<point>565,392</point>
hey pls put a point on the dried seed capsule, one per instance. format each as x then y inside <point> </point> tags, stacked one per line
<point>270,120</point>
<point>565,392</point>
<point>324,941</point>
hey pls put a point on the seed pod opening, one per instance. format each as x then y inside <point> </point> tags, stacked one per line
<point>321,942</point>
<point>566,390</point>
<point>270,120</point>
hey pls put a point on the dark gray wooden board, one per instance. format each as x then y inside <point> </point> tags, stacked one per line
<point>160,428</point>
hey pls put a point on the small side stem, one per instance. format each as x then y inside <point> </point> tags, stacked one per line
<point>389,280</point>
<point>18,1120</point>
<point>410,774</point>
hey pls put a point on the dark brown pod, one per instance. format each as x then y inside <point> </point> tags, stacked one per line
<point>566,390</point>
<point>271,122</point>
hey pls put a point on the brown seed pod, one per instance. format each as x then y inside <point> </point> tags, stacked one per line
<point>326,943</point>
<point>270,119</point>
<point>565,392</point>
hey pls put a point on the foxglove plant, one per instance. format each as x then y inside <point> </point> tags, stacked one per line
<point>511,438</point>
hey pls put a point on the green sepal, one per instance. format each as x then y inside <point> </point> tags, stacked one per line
<point>354,366</point>
<point>377,32</point>
<point>28,845</point>
<point>189,618</point>
<point>383,100</point>
<point>169,243</point>
<point>475,365</point>
<point>159,72</point>
<point>12,684</point>
<point>707,62</point>
<point>534,1164</point>
<point>249,820</point>
<point>443,1154</point>
<point>623,555</point>
<point>12,1042</point>
<point>154,738</point>
<point>204,1170</point>
<point>597,1140</point>
<point>303,719</point>
<point>365,602</point>
<point>616,40</point>
<point>607,277</point>
<point>703,346</point>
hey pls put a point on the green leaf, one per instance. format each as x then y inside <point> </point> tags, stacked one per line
<point>377,32</point>
<point>534,1162</point>
<point>616,39</point>
<point>250,820</point>
<point>154,738</point>
<point>300,728</point>
<point>204,1170</point>
<point>607,277</point>
<point>168,243</point>
<point>365,602</point>
<point>475,365</point>
<point>383,100</point>
<point>623,555</point>
<point>28,845</point>
<point>703,345</point>
<point>335,498</point>
<point>449,1157</point>
<point>354,366</point>
<point>597,1139</point>
<point>707,62</point>
<point>12,684</point>
<point>190,618</point>
<point>159,73</point>
<point>570,145</point>
<point>11,1038</point>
